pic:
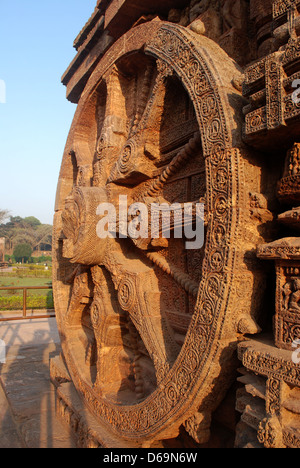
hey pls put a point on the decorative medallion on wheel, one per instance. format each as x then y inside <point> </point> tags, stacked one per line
<point>148,326</point>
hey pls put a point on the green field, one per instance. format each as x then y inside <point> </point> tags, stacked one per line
<point>36,299</point>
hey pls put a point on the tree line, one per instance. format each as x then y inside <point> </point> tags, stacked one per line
<point>23,235</point>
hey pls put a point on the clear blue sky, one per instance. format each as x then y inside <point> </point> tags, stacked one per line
<point>36,47</point>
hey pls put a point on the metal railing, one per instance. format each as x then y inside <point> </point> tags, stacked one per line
<point>24,315</point>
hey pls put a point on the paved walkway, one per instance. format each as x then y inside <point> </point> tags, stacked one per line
<point>27,403</point>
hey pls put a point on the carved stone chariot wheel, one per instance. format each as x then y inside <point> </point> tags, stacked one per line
<point>148,328</point>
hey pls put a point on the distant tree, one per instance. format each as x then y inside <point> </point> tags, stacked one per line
<point>28,230</point>
<point>15,221</point>
<point>22,252</point>
<point>32,221</point>
<point>22,237</point>
<point>43,234</point>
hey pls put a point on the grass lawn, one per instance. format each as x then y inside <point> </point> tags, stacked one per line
<point>36,299</point>
<point>24,282</point>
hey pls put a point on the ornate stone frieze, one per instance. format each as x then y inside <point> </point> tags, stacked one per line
<point>270,82</point>
<point>279,417</point>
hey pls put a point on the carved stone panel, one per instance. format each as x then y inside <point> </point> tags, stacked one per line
<point>272,113</point>
<point>286,254</point>
<point>269,401</point>
<point>288,316</point>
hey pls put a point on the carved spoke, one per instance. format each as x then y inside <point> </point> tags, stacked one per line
<point>141,152</point>
<point>145,321</point>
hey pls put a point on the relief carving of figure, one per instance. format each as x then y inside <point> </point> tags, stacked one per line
<point>286,292</point>
<point>294,304</point>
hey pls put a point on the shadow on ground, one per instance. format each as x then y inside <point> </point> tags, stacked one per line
<point>27,398</point>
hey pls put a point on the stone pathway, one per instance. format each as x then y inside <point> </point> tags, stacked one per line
<point>27,403</point>
<point>10,437</point>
